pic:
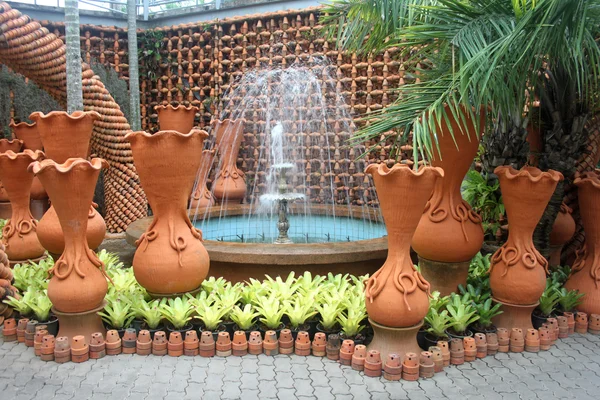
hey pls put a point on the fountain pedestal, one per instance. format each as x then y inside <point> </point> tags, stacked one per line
<point>399,341</point>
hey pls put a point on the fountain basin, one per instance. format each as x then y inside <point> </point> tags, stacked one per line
<point>237,261</point>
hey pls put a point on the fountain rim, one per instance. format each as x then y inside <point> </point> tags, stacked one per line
<point>285,254</point>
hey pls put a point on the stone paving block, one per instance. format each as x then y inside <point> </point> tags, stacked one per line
<point>359,392</point>
<point>339,386</point>
<point>249,381</point>
<point>303,387</point>
<point>286,394</point>
<point>234,374</point>
<point>266,372</point>
<point>231,391</point>
<point>268,390</point>
<point>250,394</point>
<point>285,380</point>
<point>324,393</point>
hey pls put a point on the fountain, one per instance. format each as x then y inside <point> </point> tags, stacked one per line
<point>308,204</point>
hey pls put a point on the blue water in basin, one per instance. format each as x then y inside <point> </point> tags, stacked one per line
<point>303,229</point>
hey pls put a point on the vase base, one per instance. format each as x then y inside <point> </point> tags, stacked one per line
<point>444,276</point>
<point>39,208</point>
<point>28,261</point>
<point>514,315</point>
<point>394,340</point>
<point>170,295</point>
<point>5,210</point>
<point>83,323</point>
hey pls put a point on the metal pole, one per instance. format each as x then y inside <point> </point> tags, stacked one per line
<point>146,9</point>
<point>134,77</point>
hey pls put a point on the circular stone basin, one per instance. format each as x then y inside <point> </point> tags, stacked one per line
<point>241,248</point>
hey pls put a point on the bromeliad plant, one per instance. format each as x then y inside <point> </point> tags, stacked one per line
<point>117,313</point>
<point>462,314</point>
<point>40,304</point>
<point>299,309</point>
<point>270,311</point>
<point>34,275</point>
<point>329,305</point>
<point>177,311</point>
<point>149,312</point>
<point>486,310</point>
<point>548,300</point>
<point>438,322</point>
<point>243,317</point>
<point>568,299</point>
<point>21,304</point>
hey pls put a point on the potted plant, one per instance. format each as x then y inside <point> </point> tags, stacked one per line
<point>568,300</point>
<point>211,316</point>
<point>486,310</point>
<point>41,305</point>
<point>178,312</point>
<point>438,322</point>
<point>270,311</point>
<point>229,296</point>
<point>298,310</point>
<point>462,315</point>
<point>32,274</point>
<point>544,310</point>
<point>350,322</point>
<point>151,315</point>
<point>117,313</point>
<point>329,309</point>
<point>21,305</point>
<point>244,319</point>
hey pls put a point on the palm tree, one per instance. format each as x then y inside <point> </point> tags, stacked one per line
<point>74,78</point>
<point>502,56</point>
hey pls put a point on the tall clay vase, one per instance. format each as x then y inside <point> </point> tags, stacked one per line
<point>30,136</point>
<point>450,232</point>
<point>67,136</point>
<point>518,271</point>
<point>14,146</point>
<point>585,275</point>
<point>230,184</point>
<point>562,231</point>
<point>202,197</point>
<point>170,257</point>
<point>19,234</point>
<point>397,296</point>
<point>180,118</point>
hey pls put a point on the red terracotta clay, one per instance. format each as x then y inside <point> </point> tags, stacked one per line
<point>67,136</point>
<point>239,344</point>
<point>585,274</point>
<point>518,270</point>
<point>449,230</point>
<point>230,184</point>
<point>271,343</point>
<point>286,342</point>
<point>397,294</point>
<point>30,136</point>
<point>180,118</point>
<point>19,234</point>
<point>358,357</point>
<point>426,365</point>
<point>319,345</point>
<point>170,257</point>
<point>207,344</point>
<point>8,145</point>
<point>78,281</point>
<point>373,364</point>
<point>562,231</point>
<point>202,197</point>
<point>255,344</point>
<point>392,369</point>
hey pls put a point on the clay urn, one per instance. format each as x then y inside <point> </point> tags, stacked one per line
<point>585,274</point>
<point>67,136</point>
<point>397,294</point>
<point>202,198</point>
<point>229,185</point>
<point>8,145</point>
<point>28,133</point>
<point>19,234</point>
<point>449,230</point>
<point>170,257</point>
<point>562,231</point>
<point>78,280</point>
<point>180,118</point>
<point>518,270</point>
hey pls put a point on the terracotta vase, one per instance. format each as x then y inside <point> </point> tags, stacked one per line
<point>230,184</point>
<point>449,230</point>
<point>180,118</point>
<point>562,231</point>
<point>8,145</point>
<point>518,270</point>
<point>202,197</point>
<point>78,281</point>
<point>67,136</point>
<point>30,136</point>
<point>170,257</point>
<point>397,294</point>
<point>19,234</point>
<point>585,275</point>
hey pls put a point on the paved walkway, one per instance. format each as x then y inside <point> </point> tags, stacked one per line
<point>570,370</point>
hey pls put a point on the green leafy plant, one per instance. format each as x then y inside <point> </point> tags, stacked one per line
<point>462,314</point>
<point>477,295</point>
<point>329,309</point>
<point>438,321</point>
<point>111,261</point>
<point>32,275</point>
<point>437,301</point>
<point>243,317</point>
<point>150,312</point>
<point>213,284</point>
<point>548,299</point>
<point>177,311</point>
<point>307,285</point>
<point>117,313</point>
<point>211,316</point>
<point>486,310</point>
<point>569,299</point>
<point>485,200</point>
<point>350,320</point>
<point>40,304</point>
<point>149,53</point>
<point>284,289</point>
<point>21,304</point>
<point>478,272</point>
<point>270,310</point>
<point>299,309</point>
<point>560,275</point>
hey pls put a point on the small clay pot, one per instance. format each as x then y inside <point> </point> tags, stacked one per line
<point>223,345</point>
<point>392,369</point>
<point>255,344</point>
<point>358,357</point>
<point>239,344</point>
<point>346,351</point>
<point>207,345</point>
<point>333,347</point>
<point>302,344</point>
<point>426,365</point>
<point>271,343</point>
<point>373,364</point>
<point>410,367</point>
<point>438,358</point>
<point>286,342</point>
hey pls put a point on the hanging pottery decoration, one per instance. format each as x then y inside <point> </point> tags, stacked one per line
<point>180,118</point>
